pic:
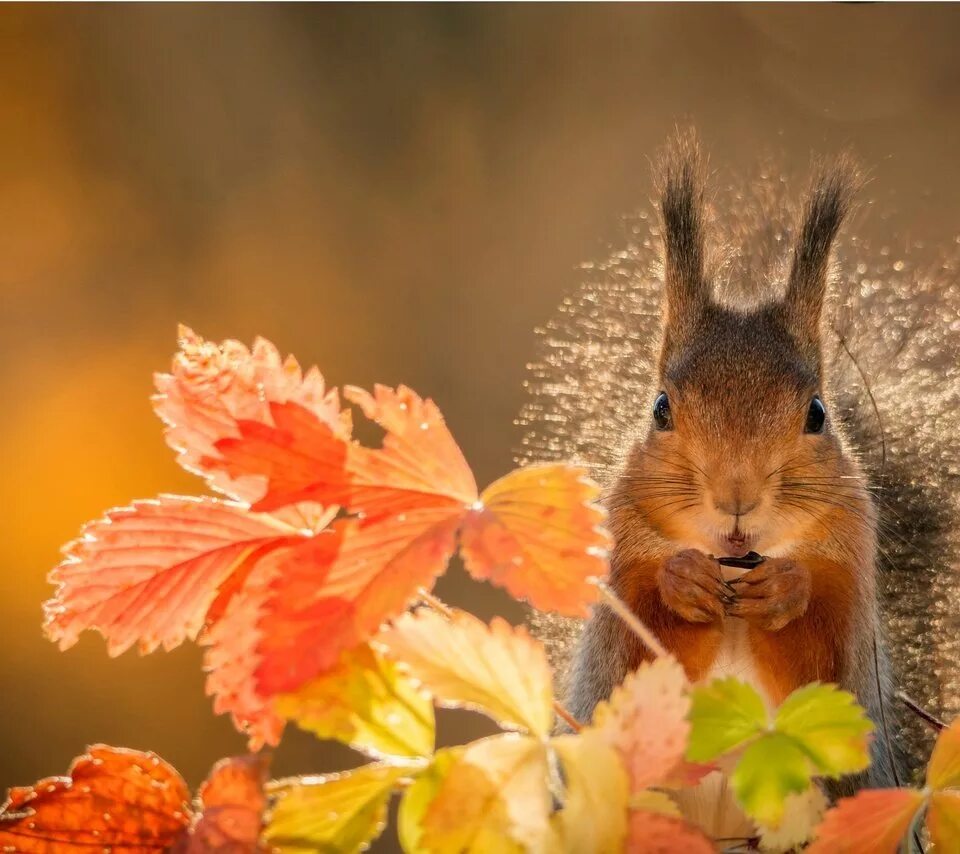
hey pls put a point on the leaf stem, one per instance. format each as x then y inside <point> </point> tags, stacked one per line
<point>439,605</point>
<point>636,625</point>
<point>931,720</point>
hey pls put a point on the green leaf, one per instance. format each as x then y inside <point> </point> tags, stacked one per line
<point>416,799</point>
<point>771,768</point>
<point>338,813</point>
<point>725,713</point>
<point>367,703</point>
<point>829,725</point>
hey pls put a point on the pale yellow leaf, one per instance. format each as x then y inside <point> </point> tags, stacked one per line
<point>650,800</point>
<point>594,815</point>
<point>802,814</point>
<point>418,797</point>
<point>339,813</point>
<point>494,798</point>
<point>366,703</point>
<point>497,669</point>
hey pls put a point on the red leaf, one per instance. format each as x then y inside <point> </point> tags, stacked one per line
<point>334,591</point>
<point>212,387</point>
<point>113,799</point>
<point>150,572</point>
<point>233,803</point>
<point>871,822</point>
<point>538,535</point>
<point>653,833</point>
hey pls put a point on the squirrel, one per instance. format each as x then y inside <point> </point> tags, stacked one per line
<point>742,453</point>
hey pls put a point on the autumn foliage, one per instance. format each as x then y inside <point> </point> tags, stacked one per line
<point>307,580</point>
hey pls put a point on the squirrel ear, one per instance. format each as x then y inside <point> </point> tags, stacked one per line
<point>828,202</point>
<point>682,220</point>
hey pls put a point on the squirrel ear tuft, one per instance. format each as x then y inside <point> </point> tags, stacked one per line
<point>828,202</point>
<point>680,184</point>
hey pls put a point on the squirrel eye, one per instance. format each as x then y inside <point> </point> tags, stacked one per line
<point>816,415</point>
<point>661,412</point>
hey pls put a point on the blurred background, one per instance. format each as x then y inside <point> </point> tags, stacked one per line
<point>395,193</point>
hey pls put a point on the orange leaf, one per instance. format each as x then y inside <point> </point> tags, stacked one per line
<point>537,534</point>
<point>113,799</point>
<point>654,833</point>
<point>943,770</point>
<point>943,820</point>
<point>150,572</point>
<point>232,657</point>
<point>871,822</point>
<point>233,804</point>
<point>336,589</point>
<point>213,386</point>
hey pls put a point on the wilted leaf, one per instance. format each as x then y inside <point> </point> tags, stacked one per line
<point>801,814</point>
<point>493,798</point>
<point>724,714</point>
<point>771,768</point>
<point>336,589</point>
<point>338,813</point>
<point>830,726</point>
<point>211,387</point>
<point>594,815</point>
<point>366,703</point>
<point>417,798</point>
<point>497,669</point>
<point>149,572</point>
<point>112,798</point>
<point>871,822</point>
<point>943,820</point>
<point>537,534</point>
<point>943,770</point>
<point>653,833</point>
<point>646,721</point>
<point>233,802</point>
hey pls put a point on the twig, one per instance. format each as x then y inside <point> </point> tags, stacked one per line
<point>441,607</point>
<point>931,720</point>
<point>622,610</point>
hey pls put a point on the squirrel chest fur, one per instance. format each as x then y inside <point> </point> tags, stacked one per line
<point>741,454</point>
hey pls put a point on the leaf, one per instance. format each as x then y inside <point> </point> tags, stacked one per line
<point>771,768</point>
<point>233,802</point>
<point>211,387</point>
<point>366,703</point>
<point>646,721</point>
<point>943,820</point>
<point>537,533</point>
<point>338,813</point>
<point>497,669</point>
<point>124,800</point>
<point>417,797</point>
<point>653,800</point>
<point>830,726</point>
<point>149,572</point>
<point>871,822</point>
<point>801,814</point>
<point>653,833</point>
<point>594,814</point>
<point>336,589</point>
<point>724,714</point>
<point>943,770</point>
<point>494,798</point>
<point>232,657</point>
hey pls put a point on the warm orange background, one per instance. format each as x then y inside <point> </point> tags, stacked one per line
<point>394,193</point>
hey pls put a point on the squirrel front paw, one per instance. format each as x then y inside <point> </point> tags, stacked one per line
<point>772,595</point>
<point>691,586</point>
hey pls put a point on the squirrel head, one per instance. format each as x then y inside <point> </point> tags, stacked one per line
<point>741,452</point>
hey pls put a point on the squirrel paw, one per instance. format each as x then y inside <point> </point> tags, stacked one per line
<point>773,594</point>
<point>691,586</point>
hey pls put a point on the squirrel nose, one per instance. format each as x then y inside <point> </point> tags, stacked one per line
<point>734,506</point>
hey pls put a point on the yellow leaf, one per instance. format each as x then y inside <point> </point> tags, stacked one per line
<point>943,820</point>
<point>497,669</point>
<point>802,814</point>
<point>943,772</point>
<point>594,815</point>
<point>417,798</point>
<point>494,798</point>
<point>650,800</point>
<point>366,703</point>
<point>339,813</point>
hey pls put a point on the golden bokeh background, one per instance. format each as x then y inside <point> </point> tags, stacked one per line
<point>396,193</point>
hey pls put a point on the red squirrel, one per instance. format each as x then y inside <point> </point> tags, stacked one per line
<point>741,455</point>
